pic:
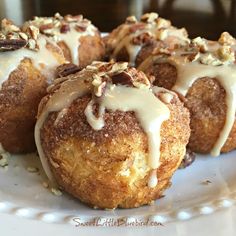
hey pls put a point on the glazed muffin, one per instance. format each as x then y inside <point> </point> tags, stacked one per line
<point>125,42</point>
<point>28,64</point>
<point>29,58</point>
<point>109,138</point>
<point>78,38</point>
<point>204,75</point>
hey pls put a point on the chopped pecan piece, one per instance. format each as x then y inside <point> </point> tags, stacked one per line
<point>131,20</point>
<point>139,26</point>
<point>11,44</point>
<point>226,38</point>
<point>65,28</point>
<point>23,36</point>
<point>32,44</point>
<point>189,158</point>
<point>58,16</point>
<point>103,67</point>
<point>70,18</point>
<point>149,17</point>
<point>163,23</point>
<point>2,36</point>
<point>226,54</point>
<point>191,56</point>
<point>99,90</point>
<point>201,43</point>
<point>80,28</point>
<point>140,80</point>
<point>8,26</point>
<point>209,59</point>
<point>34,32</point>
<point>122,78</point>
<point>66,69</point>
<point>142,39</point>
<point>117,67</point>
<point>161,51</point>
<point>44,27</point>
<point>85,22</point>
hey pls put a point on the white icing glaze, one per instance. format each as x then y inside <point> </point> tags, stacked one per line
<point>43,60</point>
<point>125,42</point>
<point>166,97</point>
<point>152,182</point>
<point>96,123</point>
<point>60,115</point>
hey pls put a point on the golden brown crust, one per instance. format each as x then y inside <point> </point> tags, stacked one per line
<point>165,74</point>
<point>65,50</point>
<point>146,51</point>
<point>206,102</point>
<point>91,165</point>
<point>20,96</point>
<point>91,49</point>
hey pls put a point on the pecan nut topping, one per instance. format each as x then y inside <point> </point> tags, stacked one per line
<point>189,158</point>
<point>11,44</point>
<point>122,78</point>
<point>65,28</point>
<point>66,69</point>
<point>136,27</point>
<point>80,28</point>
<point>143,38</point>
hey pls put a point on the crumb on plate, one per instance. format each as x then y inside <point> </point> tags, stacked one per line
<point>56,191</point>
<point>206,182</point>
<point>32,169</point>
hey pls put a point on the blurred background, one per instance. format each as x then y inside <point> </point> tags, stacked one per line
<point>207,18</point>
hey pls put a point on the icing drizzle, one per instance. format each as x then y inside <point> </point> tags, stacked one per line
<point>150,112</point>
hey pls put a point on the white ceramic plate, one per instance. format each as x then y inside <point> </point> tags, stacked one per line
<point>201,195</point>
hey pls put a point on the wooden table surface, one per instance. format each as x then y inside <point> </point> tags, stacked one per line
<point>207,18</point>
